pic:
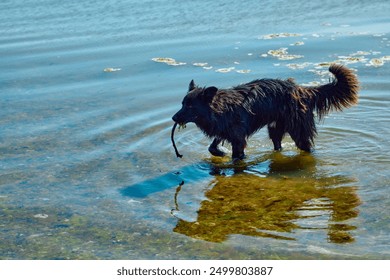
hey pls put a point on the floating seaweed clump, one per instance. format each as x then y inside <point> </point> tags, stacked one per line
<point>299,43</point>
<point>168,61</point>
<point>298,65</point>
<point>279,35</point>
<point>225,70</point>
<point>352,59</point>
<point>243,71</point>
<point>359,53</point>
<point>282,54</point>
<point>386,58</point>
<point>200,64</point>
<point>326,64</point>
<point>204,65</point>
<point>110,69</point>
<point>376,62</point>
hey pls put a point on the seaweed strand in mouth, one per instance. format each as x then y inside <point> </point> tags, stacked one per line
<point>173,141</point>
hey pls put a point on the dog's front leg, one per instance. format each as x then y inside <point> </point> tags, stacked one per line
<point>238,149</point>
<point>214,149</point>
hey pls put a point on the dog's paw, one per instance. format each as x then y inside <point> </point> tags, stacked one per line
<point>216,152</point>
<point>238,159</point>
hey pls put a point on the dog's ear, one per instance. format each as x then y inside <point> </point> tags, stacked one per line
<point>209,93</point>
<point>191,86</point>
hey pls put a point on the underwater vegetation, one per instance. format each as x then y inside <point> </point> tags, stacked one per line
<point>274,206</point>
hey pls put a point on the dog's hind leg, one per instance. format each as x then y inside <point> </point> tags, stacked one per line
<point>304,145</point>
<point>302,140</point>
<point>214,149</point>
<point>276,132</point>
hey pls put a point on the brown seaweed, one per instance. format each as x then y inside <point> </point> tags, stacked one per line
<point>173,141</point>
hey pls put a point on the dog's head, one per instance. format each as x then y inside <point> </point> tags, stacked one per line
<point>195,105</point>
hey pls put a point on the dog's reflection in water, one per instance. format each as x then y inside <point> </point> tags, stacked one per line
<point>276,206</point>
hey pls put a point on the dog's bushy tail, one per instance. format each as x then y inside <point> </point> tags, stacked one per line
<point>341,93</point>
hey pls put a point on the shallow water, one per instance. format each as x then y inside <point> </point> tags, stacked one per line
<point>87,167</point>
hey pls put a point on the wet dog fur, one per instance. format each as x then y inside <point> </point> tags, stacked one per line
<point>283,106</point>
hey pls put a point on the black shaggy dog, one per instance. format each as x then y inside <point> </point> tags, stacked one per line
<point>285,107</point>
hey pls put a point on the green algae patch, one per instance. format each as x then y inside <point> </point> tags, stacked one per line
<point>273,207</point>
